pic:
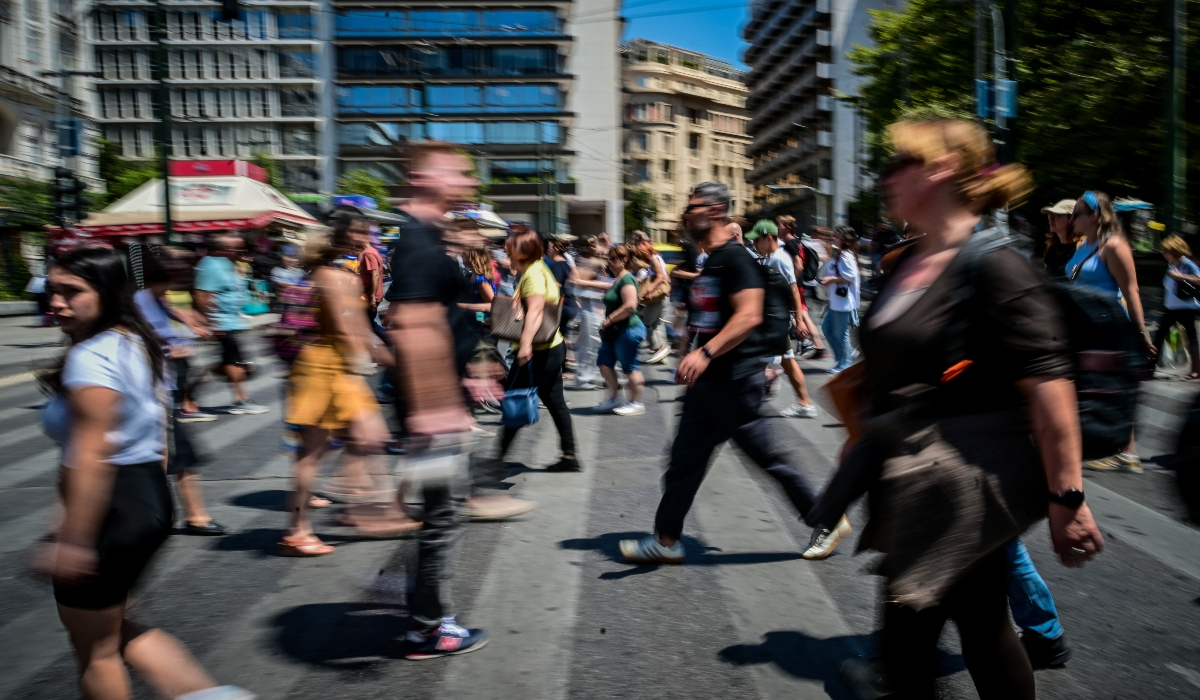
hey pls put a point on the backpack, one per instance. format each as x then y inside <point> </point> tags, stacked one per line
<point>771,336</point>
<point>298,324</point>
<point>1102,341</point>
<point>812,263</point>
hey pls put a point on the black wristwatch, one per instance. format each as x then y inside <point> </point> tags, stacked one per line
<point>704,349</point>
<point>1071,498</point>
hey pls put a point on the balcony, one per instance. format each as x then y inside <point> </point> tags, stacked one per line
<point>28,86</point>
<point>11,166</point>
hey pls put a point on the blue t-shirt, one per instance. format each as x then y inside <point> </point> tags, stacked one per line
<point>219,277</point>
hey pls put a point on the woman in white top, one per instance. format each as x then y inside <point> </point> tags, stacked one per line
<point>1181,309</point>
<point>841,281</point>
<point>108,409</point>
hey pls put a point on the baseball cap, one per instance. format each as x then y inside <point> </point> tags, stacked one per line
<point>762,227</point>
<point>1064,206</point>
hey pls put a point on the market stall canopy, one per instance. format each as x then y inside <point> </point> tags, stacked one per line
<point>219,203</point>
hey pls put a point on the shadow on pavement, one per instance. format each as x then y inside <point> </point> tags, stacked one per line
<point>350,636</point>
<point>697,553</point>
<point>804,656</point>
<point>275,499</point>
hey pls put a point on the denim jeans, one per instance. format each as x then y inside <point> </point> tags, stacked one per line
<point>436,544</point>
<point>714,412</point>
<point>587,343</point>
<point>623,349</point>
<point>1028,597</point>
<point>836,327</point>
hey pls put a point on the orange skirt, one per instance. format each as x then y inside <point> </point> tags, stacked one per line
<point>323,393</point>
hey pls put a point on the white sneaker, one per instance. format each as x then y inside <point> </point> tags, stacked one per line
<point>823,541</point>
<point>609,404</point>
<point>799,411</point>
<point>588,386</point>
<point>221,692</point>
<point>659,355</point>
<point>633,408</point>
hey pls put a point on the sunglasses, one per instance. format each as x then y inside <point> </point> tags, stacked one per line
<point>899,162</point>
<point>691,207</point>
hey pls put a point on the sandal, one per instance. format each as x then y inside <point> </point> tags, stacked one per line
<point>379,528</point>
<point>310,546</point>
<point>1190,377</point>
<point>319,502</point>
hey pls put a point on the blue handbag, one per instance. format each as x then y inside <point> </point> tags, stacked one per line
<point>519,407</point>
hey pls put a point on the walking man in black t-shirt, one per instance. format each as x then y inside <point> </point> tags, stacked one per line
<point>423,319</point>
<point>725,379</point>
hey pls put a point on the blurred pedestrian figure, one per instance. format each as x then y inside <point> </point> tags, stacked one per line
<point>108,410</point>
<point>422,317</point>
<point>589,268</point>
<point>621,334</point>
<point>1060,241</point>
<point>765,237</point>
<point>484,368</point>
<point>842,280</point>
<point>370,262</point>
<point>539,364</point>
<point>1104,262</point>
<point>1181,303</point>
<point>654,286</point>
<point>949,438</point>
<point>724,376</point>
<point>183,459</point>
<point>220,293</point>
<point>563,268</point>
<point>804,258</point>
<point>682,277</point>
<point>327,392</point>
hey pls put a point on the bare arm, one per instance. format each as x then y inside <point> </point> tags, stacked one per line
<point>1054,415</point>
<point>535,306</point>
<point>629,302</point>
<point>1118,256</point>
<point>341,294</point>
<point>202,301</point>
<point>424,358</point>
<point>684,274</point>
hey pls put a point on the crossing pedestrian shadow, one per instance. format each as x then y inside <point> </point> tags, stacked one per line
<point>803,656</point>
<point>347,636</point>
<point>274,499</point>
<point>697,553</point>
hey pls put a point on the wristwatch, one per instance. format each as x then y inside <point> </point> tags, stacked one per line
<point>1071,498</point>
<point>704,349</point>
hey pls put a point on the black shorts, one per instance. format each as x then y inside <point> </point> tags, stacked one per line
<point>231,349</point>
<point>138,521</point>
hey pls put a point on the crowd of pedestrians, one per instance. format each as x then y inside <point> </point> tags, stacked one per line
<point>955,383</point>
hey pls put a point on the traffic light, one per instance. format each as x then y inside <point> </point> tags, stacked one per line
<point>69,202</point>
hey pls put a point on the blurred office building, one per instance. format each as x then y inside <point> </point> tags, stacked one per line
<point>803,138</point>
<point>685,123</point>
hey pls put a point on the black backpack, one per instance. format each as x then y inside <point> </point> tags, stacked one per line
<point>1107,351</point>
<point>812,263</point>
<point>771,337</point>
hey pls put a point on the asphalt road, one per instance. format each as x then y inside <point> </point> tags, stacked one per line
<point>744,618</point>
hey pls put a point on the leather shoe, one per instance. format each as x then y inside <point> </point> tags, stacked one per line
<point>211,529</point>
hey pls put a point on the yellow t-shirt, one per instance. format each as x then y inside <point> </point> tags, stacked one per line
<point>538,281</point>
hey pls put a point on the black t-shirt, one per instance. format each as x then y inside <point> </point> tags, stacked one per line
<point>561,270</point>
<point>728,270</point>
<point>1056,259</point>
<point>423,272</point>
<point>1017,332</point>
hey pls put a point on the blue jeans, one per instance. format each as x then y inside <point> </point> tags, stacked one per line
<point>1028,597</point>
<point>623,349</point>
<point>836,327</point>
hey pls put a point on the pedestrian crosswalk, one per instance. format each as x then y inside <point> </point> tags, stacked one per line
<point>745,617</point>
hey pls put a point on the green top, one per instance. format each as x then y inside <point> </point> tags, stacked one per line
<point>538,281</point>
<point>612,302</point>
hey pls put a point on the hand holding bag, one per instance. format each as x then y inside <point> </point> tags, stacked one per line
<point>508,318</point>
<point>519,407</point>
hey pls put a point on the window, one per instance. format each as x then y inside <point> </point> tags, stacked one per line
<point>695,116</point>
<point>295,102</point>
<point>299,141</point>
<point>295,24</point>
<point>377,134</point>
<point>379,100</point>
<point>641,142</point>
<point>371,22</point>
<point>521,22</point>
<point>33,46</point>
<point>732,125</point>
<point>524,169</point>
<point>523,61</point>
<point>694,143</point>
<point>641,171</point>
<point>510,132</point>
<point>297,64</point>
<point>522,98</point>
<point>668,170</point>
<point>693,176</point>
<point>454,98</point>
<point>668,201</point>
<point>443,22</point>
<point>716,171</point>
<point>449,23</point>
<point>642,81</point>
<point>648,112</point>
<point>456,132</point>
<point>668,142</point>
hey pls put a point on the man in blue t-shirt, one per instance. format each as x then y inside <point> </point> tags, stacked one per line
<point>220,293</point>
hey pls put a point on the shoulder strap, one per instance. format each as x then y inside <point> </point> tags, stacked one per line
<point>967,265</point>
<point>1079,267</point>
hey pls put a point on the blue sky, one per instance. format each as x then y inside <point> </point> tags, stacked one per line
<point>716,32</point>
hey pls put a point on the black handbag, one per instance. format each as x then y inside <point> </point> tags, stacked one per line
<point>1186,290</point>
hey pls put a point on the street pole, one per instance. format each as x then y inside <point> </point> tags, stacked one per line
<point>1176,133</point>
<point>162,105</point>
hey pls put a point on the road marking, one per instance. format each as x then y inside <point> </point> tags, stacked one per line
<point>1191,676</point>
<point>21,434</point>
<point>1170,542</point>
<point>16,379</point>
<point>529,565</point>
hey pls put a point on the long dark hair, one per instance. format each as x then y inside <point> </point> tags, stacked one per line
<point>104,269</point>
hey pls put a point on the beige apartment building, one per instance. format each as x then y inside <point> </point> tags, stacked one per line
<point>685,123</point>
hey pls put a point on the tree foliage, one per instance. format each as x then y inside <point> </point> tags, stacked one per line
<point>121,175</point>
<point>640,207</point>
<point>363,182</point>
<point>273,169</point>
<point>1092,84</point>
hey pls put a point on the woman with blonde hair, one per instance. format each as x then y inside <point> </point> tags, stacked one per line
<point>953,396</point>
<point>1180,302</point>
<point>1104,262</point>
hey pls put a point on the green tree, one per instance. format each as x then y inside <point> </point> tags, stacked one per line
<point>1091,86</point>
<point>274,171</point>
<point>640,207</point>
<point>121,175</point>
<point>363,182</point>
